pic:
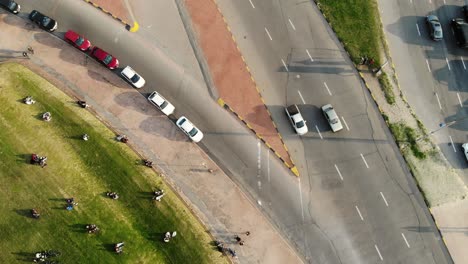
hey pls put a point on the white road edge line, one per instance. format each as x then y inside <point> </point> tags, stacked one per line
<point>339,172</point>
<point>417,27</point>
<point>453,146</point>
<point>383,197</point>
<point>268,33</point>
<point>292,25</point>
<point>300,196</point>
<point>310,57</point>
<point>359,212</point>
<point>252,4</point>
<point>438,100</point>
<point>365,162</point>
<point>318,131</point>
<point>464,67</point>
<point>448,64</point>
<point>406,241</point>
<point>429,68</point>
<point>285,66</point>
<point>459,99</point>
<point>346,124</point>
<point>326,86</point>
<point>300,95</point>
<point>378,251</point>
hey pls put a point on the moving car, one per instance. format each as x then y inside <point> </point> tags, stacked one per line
<point>296,119</point>
<point>161,103</point>
<point>11,6</point>
<point>43,21</point>
<point>77,40</point>
<point>435,29</point>
<point>105,58</point>
<point>134,78</point>
<point>332,118</point>
<point>189,129</point>
<point>460,29</point>
<point>465,150</point>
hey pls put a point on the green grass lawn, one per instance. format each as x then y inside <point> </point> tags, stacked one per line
<point>357,25</point>
<point>84,170</point>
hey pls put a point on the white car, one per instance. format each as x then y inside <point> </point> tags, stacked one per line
<point>161,103</point>
<point>332,117</point>
<point>134,78</point>
<point>465,149</point>
<point>189,129</point>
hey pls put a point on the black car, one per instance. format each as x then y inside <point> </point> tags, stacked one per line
<point>465,12</point>
<point>43,21</point>
<point>460,28</point>
<point>11,5</point>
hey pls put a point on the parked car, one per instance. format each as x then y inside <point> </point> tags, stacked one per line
<point>465,150</point>
<point>105,58</point>
<point>296,119</point>
<point>460,29</point>
<point>332,118</point>
<point>132,77</point>
<point>465,12</point>
<point>161,103</point>
<point>189,129</point>
<point>435,28</point>
<point>77,40</point>
<point>11,6</point>
<point>43,21</point>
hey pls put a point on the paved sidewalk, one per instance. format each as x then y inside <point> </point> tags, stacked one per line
<point>226,210</point>
<point>231,76</point>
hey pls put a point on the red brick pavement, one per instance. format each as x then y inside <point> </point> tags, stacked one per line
<point>230,75</point>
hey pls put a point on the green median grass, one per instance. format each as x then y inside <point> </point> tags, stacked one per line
<point>357,25</point>
<point>84,170</point>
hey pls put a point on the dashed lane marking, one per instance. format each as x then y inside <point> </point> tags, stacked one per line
<point>339,172</point>
<point>318,131</point>
<point>251,3</point>
<point>346,124</point>
<point>285,66</point>
<point>417,27</point>
<point>438,101</point>
<point>326,86</point>
<point>448,64</point>
<point>378,252</point>
<point>300,95</point>
<point>428,67</point>
<point>359,213</point>
<point>268,33</point>
<point>292,25</point>
<point>463,62</point>
<point>365,162</point>
<point>383,197</point>
<point>310,57</point>
<point>453,145</point>
<point>459,100</point>
<point>406,241</point>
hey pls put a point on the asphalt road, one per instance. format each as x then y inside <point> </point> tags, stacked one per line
<point>355,202</point>
<point>433,75</point>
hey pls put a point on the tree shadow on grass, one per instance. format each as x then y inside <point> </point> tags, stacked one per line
<point>24,256</point>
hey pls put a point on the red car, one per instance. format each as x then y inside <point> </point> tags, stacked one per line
<point>105,58</point>
<point>77,40</point>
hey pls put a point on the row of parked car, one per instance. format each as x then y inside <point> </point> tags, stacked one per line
<point>459,26</point>
<point>110,62</point>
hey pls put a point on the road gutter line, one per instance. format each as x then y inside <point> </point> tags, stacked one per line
<point>310,57</point>
<point>459,99</point>
<point>383,197</point>
<point>318,131</point>
<point>326,86</point>
<point>365,162</point>
<point>438,100</point>
<point>300,95</point>
<point>453,146</point>
<point>406,241</point>
<point>268,33</point>
<point>284,64</point>
<point>378,251</point>
<point>359,212</point>
<point>346,124</point>
<point>252,4</point>
<point>292,25</point>
<point>339,173</point>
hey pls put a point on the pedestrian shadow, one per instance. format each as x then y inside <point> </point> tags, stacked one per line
<point>24,256</point>
<point>78,228</point>
<point>23,158</point>
<point>24,213</point>
<point>108,247</point>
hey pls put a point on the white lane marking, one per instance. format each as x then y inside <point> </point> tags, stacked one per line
<point>318,131</point>
<point>459,100</point>
<point>344,121</point>
<point>453,146</point>
<point>464,67</point>
<point>339,172</point>
<point>259,202</point>
<point>268,165</point>
<point>417,27</point>
<point>365,162</point>
<point>292,25</point>
<point>406,241</point>
<point>438,100</point>
<point>300,196</point>
<point>383,197</point>
<point>359,212</point>
<point>251,4</point>
<point>326,86</point>
<point>310,57</point>
<point>285,66</point>
<point>445,2</point>
<point>300,95</point>
<point>259,164</point>
<point>429,68</point>
<point>268,33</point>
<point>378,251</point>
<point>448,64</point>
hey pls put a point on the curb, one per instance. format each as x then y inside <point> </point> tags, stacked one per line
<point>129,27</point>
<point>292,168</point>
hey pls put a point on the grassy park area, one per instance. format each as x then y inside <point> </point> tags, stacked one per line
<point>84,170</point>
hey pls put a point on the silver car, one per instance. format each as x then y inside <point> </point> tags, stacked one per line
<point>435,29</point>
<point>332,117</point>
